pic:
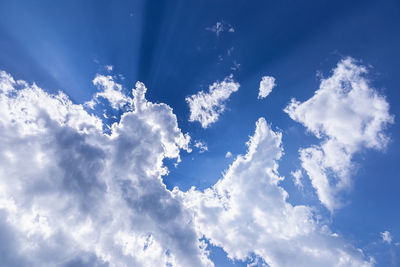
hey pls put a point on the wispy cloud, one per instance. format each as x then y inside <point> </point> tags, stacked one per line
<point>297,178</point>
<point>201,146</point>
<point>109,68</point>
<point>205,107</point>
<point>220,27</point>
<point>386,237</point>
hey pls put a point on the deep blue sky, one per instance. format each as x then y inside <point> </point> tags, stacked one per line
<point>61,45</point>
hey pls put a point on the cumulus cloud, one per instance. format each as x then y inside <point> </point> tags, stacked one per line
<point>228,154</point>
<point>266,85</point>
<point>110,91</point>
<point>201,146</point>
<point>72,195</point>
<point>246,212</point>
<point>297,177</point>
<point>386,237</point>
<point>205,107</point>
<point>347,114</point>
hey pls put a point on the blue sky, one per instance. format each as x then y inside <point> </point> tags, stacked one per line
<point>178,49</point>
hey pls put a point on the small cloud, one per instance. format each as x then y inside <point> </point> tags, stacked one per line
<point>266,85</point>
<point>109,67</point>
<point>220,27</point>
<point>228,155</point>
<point>90,104</point>
<point>217,28</point>
<point>205,107</point>
<point>235,66</point>
<point>297,175</point>
<point>386,237</point>
<point>201,146</point>
<point>109,90</point>
<point>230,50</point>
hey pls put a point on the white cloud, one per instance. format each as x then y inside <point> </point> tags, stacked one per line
<point>111,91</point>
<point>246,212</point>
<point>206,107</point>
<point>266,85</point>
<point>7,82</point>
<point>72,195</point>
<point>235,66</point>
<point>217,28</point>
<point>230,51</point>
<point>228,154</point>
<point>109,67</point>
<point>348,115</point>
<point>297,177</point>
<point>201,146</point>
<point>386,237</point>
<point>220,27</point>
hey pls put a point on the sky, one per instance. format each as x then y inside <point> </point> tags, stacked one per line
<point>199,133</point>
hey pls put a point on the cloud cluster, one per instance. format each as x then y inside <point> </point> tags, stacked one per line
<point>205,107</point>
<point>347,114</point>
<point>71,195</point>
<point>246,212</point>
<point>266,85</point>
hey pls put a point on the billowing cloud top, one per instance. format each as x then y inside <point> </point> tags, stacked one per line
<point>206,107</point>
<point>246,212</point>
<point>73,194</point>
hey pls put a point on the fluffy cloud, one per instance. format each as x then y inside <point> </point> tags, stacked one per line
<point>201,146</point>
<point>72,195</point>
<point>109,90</point>
<point>386,237</point>
<point>347,114</point>
<point>246,212</point>
<point>206,107</point>
<point>297,176</point>
<point>266,85</point>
